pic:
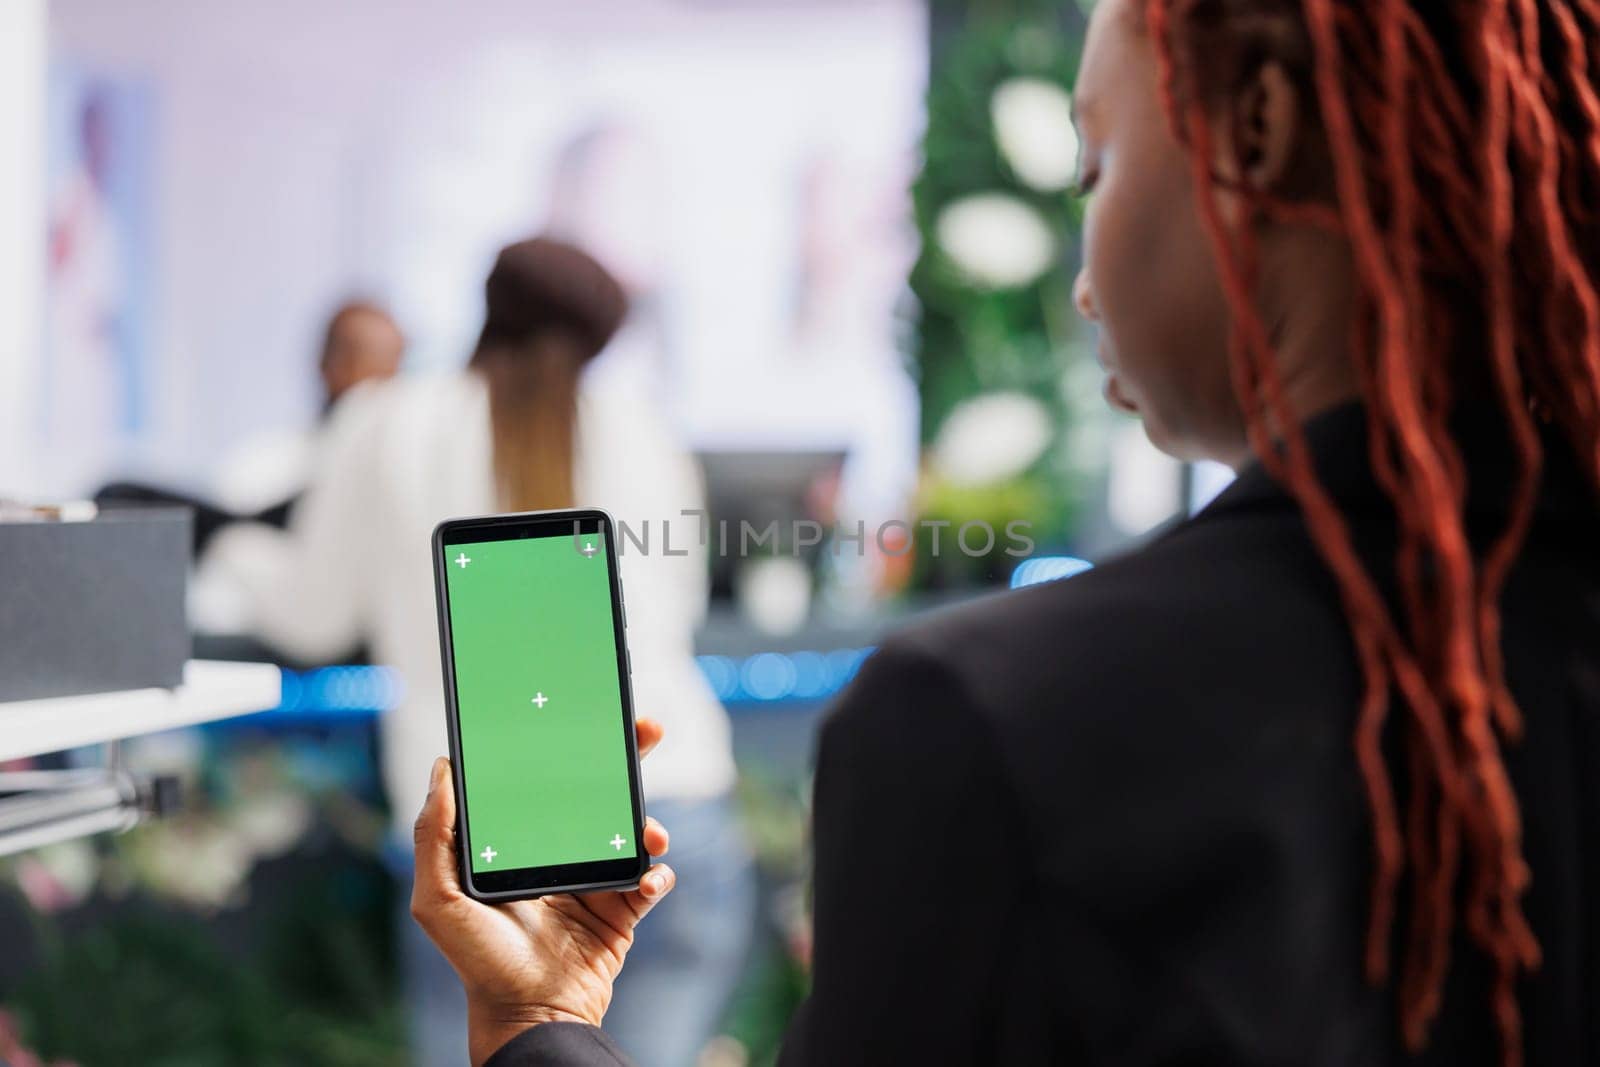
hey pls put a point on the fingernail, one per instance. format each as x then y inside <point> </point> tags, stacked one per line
<point>436,774</point>
<point>657,884</point>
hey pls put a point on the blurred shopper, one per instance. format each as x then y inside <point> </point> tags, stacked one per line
<point>260,480</point>
<point>522,429</point>
<point>1314,778</point>
<point>361,343</point>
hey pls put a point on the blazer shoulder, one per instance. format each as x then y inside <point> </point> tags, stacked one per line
<point>1229,569</point>
<point>1200,690</point>
<point>1233,608</point>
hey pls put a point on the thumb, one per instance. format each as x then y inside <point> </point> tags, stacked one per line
<point>437,881</point>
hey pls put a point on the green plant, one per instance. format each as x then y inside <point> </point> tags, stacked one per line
<point>1012,328</point>
<point>156,988</point>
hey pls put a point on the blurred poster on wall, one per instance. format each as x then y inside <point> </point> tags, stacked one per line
<point>856,244</point>
<point>756,212</point>
<point>99,273</point>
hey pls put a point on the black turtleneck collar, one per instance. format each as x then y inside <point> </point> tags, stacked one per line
<point>1337,440</point>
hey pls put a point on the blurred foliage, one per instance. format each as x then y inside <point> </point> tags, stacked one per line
<point>287,956</point>
<point>154,985</point>
<point>253,927</point>
<point>766,1000</point>
<point>971,339</point>
<point>774,811</point>
<point>943,563</point>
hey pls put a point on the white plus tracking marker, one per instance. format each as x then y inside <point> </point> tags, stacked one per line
<point>618,841</point>
<point>462,561</point>
<point>589,549</point>
<point>488,854</point>
<point>539,700</point>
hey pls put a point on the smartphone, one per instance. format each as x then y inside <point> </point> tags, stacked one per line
<point>540,708</point>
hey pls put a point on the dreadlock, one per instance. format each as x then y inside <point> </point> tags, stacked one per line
<point>1463,141</point>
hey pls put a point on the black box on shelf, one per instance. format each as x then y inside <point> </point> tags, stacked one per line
<point>92,607</point>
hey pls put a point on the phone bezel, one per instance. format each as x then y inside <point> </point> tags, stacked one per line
<point>525,882</point>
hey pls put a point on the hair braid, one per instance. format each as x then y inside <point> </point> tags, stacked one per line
<point>1491,108</point>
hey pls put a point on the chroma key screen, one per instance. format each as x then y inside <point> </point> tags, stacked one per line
<point>543,749</point>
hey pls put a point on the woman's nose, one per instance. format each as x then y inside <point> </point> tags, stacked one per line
<point>1083,297</point>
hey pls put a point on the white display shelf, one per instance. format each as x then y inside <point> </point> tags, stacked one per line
<point>210,691</point>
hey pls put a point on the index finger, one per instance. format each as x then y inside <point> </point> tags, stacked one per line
<point>649,733</point>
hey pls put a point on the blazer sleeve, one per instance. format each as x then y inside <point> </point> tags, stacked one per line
<point>919,873</point>
<point>560,1045</point>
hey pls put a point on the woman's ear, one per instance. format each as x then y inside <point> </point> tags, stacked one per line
<point>1261,131</point>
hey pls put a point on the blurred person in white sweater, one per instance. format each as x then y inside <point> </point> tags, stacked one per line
<point>525,426</point>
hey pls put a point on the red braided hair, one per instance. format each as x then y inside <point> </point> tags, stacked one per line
<point>1491,108</point>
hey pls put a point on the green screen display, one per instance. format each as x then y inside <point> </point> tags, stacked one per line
<point>543,745</point>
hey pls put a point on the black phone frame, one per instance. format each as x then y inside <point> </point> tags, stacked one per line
<point>522,883</point>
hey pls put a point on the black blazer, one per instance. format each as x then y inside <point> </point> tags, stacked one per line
<point>1117,819</point>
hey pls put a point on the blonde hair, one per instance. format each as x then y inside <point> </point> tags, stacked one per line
<point>550,309</point>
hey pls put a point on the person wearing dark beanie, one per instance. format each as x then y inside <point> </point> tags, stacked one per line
<point>550,310</point>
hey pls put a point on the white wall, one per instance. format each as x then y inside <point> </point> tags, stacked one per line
<point>309,150</point>
<point>22,67</point>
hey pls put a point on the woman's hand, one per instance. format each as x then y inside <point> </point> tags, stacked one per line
<point>530,961</point>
